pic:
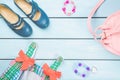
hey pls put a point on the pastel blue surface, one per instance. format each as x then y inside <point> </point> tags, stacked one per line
<point>66,36</point>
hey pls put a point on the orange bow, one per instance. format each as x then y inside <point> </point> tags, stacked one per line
<point>26,61</point>
<point>51,73</point>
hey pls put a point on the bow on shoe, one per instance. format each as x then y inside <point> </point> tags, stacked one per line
<point>26,61</point>
<point>51,73</point>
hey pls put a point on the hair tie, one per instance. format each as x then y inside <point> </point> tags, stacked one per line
<point>68,10</point>
<point>82,70</point>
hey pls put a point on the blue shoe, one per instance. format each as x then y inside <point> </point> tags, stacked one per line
<point>32,10</point>
<point>15,22</point>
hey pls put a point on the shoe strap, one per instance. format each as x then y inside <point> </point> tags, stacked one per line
<point>34,9</point>
<point>17,24</point>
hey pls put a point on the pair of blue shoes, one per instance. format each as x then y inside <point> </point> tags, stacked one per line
<point>32,11</point>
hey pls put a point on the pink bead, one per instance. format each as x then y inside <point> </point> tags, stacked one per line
<point>67,2</point>
<point>73,10</point>
<point>64,9</point>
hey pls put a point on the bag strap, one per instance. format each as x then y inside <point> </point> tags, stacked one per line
<point>90,17</point>
<point>110,48</point>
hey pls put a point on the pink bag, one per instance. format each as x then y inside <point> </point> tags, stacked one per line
<point>110,36</point>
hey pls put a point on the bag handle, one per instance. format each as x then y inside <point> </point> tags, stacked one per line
<point>110,48</point>
<point>90,17</point>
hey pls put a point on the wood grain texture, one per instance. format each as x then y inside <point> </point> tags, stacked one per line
<point>47,49</point>
<point>59,28</point>
<point>66,36</point>
<point>105,69</point>
<point>54,7</point>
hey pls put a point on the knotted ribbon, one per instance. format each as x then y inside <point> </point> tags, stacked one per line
<point>51,73</point>
<point>26,61</point>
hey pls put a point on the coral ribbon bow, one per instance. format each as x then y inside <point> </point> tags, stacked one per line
<point>51,73</point>
<point>26,61</point>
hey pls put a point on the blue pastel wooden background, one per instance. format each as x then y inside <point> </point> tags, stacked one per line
<point>66,36</point>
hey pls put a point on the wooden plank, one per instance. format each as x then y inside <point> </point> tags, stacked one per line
<point>60,39</point>
<point>48,49</point>
<point>106,70</point>
<point>59,28</point>
<point>54,7</point>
